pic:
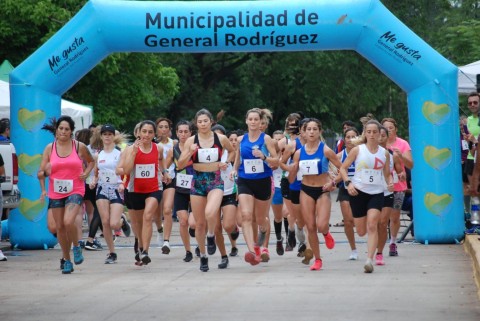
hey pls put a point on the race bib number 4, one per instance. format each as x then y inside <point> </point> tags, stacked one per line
<point>144,171</point>
<point>309,167</point>
<point>208,155</point>
<point>63,186</point>
<point>253,166</point>
<point>371,176</point>
<point>184,180</point>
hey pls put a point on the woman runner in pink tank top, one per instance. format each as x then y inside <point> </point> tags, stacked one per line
<point>63,162</point>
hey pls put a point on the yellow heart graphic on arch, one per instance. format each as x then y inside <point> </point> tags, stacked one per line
<point>437,158</point>
<point>31,120</point>
<point>438,204</point>
<point>435,114</point>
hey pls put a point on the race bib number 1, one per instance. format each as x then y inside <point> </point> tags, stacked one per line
<point>63,186</point>
<point>253,166</point>
<point>371,176</point>
<point>144,171</point>
<point>208,155</point>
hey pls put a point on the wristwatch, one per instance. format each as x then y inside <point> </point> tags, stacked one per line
<point>347,183</point>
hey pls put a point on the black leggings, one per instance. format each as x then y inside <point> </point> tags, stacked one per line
<point>96,220</point>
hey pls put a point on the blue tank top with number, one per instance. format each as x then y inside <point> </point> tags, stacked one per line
<point>297,184</point>
<point>351,168</point>
<point>318,155</point>
<point>251,166</point>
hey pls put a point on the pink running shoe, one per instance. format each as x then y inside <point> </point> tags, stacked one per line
<point>379,259</point>
<point>265,256</point>
<point>251,258</point>
<point>329,241</point>
<point>317,265</point>
<point>258,253</point>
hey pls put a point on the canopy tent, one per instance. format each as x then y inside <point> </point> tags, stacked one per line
<point>81,114</point>
<point>468,78</point>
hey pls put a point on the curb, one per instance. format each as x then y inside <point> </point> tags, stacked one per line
<point>472,247</point>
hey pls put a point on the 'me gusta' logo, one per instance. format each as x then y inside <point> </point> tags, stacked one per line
<point>68,55</point>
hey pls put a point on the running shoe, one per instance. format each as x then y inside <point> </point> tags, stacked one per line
<point>97,244</point>
<point>301,249</point>
<point>91,246</point>
<point>265,256</point>
<point>329,241</point>
<point>62,263</point>
<point>317,265</point>
<point>145,258</point>
<point>379,259</point>
<point>2,257</point>
<point>393,250</point>
<point>166,247</point>
<point>235,234</point>
<point>81,243</point>
<point>67,267</point>
<point>197,251</point>
<point>204,264</point>
<point>308,255</point>
<point>251,258</point>
<point>126,227</point>
<point>138,260</point>
<point>224,263</point>
<point>292,240</point>
<point>234,251</point>
<point>77,255</point>
<point>353,256</point>
<point>188,256</point>
<point>258,253</point>
<point>211,246</point>
<point>368,267</point>
<point>191,231</point>
<point>111,258</point>
<point>280,249</point>
<point>160,237</point>
<point>118,232</point>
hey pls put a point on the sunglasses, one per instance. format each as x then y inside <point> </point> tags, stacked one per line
<point>471,103</point>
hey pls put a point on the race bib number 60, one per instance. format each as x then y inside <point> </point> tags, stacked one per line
<point>144,171</point>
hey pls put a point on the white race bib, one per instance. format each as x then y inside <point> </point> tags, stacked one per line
<point>63,186</point>
<point>464,144</point>
<point>395,177</point>
<point>309,167</point>
<point>277,178</point>
<point>253,166</point>
<point>371,176</point>
<point>144,171</point>
<point>184,180</point>
<point>107,177</point>
<point>207,155</point>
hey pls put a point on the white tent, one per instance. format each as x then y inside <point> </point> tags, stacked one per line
<point>81,114</point>
<point>467,77</point>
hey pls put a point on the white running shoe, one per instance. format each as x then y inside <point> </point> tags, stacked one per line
<point>353,256</point>
<point>2,257</point>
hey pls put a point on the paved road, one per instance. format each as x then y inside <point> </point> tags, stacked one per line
<point>432,282</point>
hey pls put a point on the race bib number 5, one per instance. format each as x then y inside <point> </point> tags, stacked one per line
<point>144,171</point>
<point>63,186</point>
<point>253,166</point>
<point>208,155</point>
<point>371,176</point>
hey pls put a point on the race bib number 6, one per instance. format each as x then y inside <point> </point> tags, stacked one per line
<point>144,171</point>
<point>253,166</point>
<point>63,186</point>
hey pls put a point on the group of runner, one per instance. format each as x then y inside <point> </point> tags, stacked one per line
<point>228,181</point>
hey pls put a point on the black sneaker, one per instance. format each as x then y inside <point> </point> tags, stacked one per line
<point>280,249</point>
<point>234,251</point>
<point>211,246</point>
<point>235,234</point>
<point>292,240</point>
<point>224,263</point>
<point>204,264</point>
<point>145,258</point>
<point>301,249</point>
<point>188,257</point>
<point>111,258</point>
<point>126,228</point>
<point>92,246</point>
<point>197,251</point>
<point>191,231</point>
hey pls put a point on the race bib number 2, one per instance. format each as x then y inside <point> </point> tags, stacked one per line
<point>144,171</point>
<point>63,186</point>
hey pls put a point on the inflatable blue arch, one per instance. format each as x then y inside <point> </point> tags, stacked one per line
<point>103,27</point>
